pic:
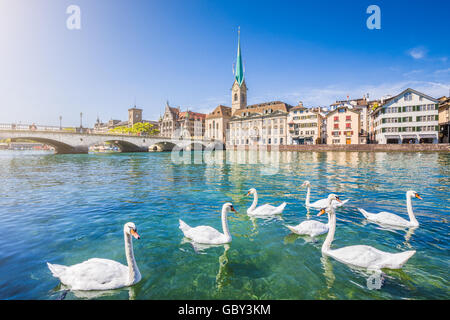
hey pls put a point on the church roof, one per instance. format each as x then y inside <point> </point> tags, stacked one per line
<point>239,72</point>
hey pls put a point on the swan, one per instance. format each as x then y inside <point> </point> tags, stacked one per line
<point>311,227</point>
<point>322,203</point>
<point>264,210</point>
<point>102,274</point>
<point>393,219</point>
<point>207,234</point>
<point>360,255</point>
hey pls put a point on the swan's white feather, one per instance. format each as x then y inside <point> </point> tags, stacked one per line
<point>385,218</point>
<point>323,203</point>
<point>93,274</point>
<point>203,234</point>
<point>369,257</point>
<point>311,227</point>
<point>266,210</point>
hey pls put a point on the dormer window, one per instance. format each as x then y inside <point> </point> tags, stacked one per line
<point>408,96</point>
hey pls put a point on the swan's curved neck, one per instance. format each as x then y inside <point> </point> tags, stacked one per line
<point>226,231</point>
<point>332,228</point>
<point>255,202</point>
<point>133,272</point>
<point>412,217</point>
<point>308,195</point>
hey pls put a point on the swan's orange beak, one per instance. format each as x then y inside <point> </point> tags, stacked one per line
<point>418,197</point>
<point>337,198</point>
<point>232,209</point>
<point>135,234</point>
<point>248,193</point>
<point>322,211</point>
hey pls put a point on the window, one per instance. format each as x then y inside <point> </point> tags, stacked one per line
<point>348,126</point>
<point>408,96</point>
<point>348,118</point>
<point>336,118</point>
<point>336,126</point>
<point>235,97</point>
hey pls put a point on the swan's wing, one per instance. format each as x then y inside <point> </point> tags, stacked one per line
<point>204,234</point>
<point>322,203</point>
<point>388,218</point>
<point>359,256</point>
<point>95,274</point>
<point>310,227</point>
<point>267,209</point>
<point>339,204</point>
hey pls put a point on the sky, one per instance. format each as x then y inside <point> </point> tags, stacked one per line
<point>149,52</point>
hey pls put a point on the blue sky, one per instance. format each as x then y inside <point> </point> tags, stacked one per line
<point>183,52</point>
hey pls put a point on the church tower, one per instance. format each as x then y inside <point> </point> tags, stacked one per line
<point>239,89</point>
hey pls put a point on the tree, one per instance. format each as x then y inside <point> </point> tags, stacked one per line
<point>139,128</point>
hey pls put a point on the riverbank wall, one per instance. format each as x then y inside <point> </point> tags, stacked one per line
<point>442,147</point>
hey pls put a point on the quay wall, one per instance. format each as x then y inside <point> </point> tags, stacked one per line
<point>441,147</point>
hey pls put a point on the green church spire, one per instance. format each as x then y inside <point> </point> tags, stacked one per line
<point>239,73</point>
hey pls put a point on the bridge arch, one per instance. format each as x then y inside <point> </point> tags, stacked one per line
<point>60,147</point>
<point>126,146</point>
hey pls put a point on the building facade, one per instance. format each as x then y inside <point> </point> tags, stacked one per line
<point>174,123</point>
<point>409,117</point>
<point>216,123</point>
<point>343,126</point>
<point>444,120</point>
<point>260,124</point>
<point>304,125</point>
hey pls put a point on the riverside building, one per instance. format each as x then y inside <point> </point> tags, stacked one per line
<point>304,125</point>
<point>216,123</point>
<point>187,123</point>
<point>444,120</point>
<point>343,125</point>
<point>409,117</point>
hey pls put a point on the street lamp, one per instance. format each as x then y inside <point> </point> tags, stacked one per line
<point>60,123</point>
<point>81,120</point>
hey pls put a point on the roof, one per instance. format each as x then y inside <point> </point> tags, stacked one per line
<point>259,108</point>
<point>191,115</point>
<point>220,112</point>
<point>239,72</point>
<point>338,108</point>
<point>402,93</point>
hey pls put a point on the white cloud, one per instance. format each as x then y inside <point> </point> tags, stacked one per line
<point>417,53</point>
<point>441,71</point>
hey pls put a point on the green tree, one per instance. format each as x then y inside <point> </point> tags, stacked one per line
<point>139,128</point>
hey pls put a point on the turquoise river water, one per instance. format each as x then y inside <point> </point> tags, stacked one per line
<point>68,208</point>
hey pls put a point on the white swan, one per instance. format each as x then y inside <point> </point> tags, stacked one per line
<point>102,274</point>
<point>207,234</point>
<point>392,219</point>
<point>264,210</point>
<point>322,203</point>
<point>311,227</point>
<point>361,255</point>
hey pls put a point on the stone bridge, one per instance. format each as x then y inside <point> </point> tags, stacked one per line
<point>79,142</point>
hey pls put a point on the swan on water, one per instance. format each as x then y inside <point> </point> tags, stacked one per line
<point>319,204</point>
<point>207,234</point>
<point>311,227</point>
<point>360,255</point>
<point>264,210</point>
<point>102,274</point>
<point>388,218</point>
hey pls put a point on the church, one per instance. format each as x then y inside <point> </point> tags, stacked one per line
<point>245,125</point>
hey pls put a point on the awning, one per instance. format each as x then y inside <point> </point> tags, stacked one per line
<point>392,137</point>
<point>409,137</point>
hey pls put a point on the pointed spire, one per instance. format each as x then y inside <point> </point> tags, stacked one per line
<point>239,73</point>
